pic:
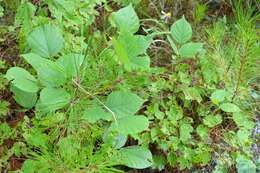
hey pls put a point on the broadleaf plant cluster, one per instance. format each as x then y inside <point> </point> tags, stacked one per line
<point>135,94</point>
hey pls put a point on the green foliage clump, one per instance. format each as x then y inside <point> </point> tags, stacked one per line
<point>96,101</point>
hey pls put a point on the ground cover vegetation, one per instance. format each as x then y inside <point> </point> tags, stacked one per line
<point>98,86</point>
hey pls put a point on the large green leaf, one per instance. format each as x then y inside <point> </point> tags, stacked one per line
<point>136,157</point>
<point>229,107</point>
<point>129,47</point>
<point>130,125</point>
<point>134,45</point>
<point>25,99</point>
<point>73,63</point>
<point>126,20</point>
<point>22,79</point>
<point>244,165</point>
<point>124,103</point>
<point>120,51</point>
<point>181,31</point>
<point>52,99</point>
<point>189,50</point>
<point>96,113</point>
<point>45,41</point>
<point>35,60</point>
<point>51,74</point>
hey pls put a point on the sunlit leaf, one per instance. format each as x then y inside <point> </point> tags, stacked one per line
<point>131,124</point>
<point>45,41</point>
<point>22,79</point>
<point>52,99</point>
<point>229,107</point>
<point>136,157</point>
<point>124,103</point>
<point>181,31</point>
<point>126,19</point>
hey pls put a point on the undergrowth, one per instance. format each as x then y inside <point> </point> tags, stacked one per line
<point>103,86</point>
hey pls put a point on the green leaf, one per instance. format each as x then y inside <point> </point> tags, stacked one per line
<point>245,165</point>
<point>121,52</point>
<point>181,31</point>
<point>212,120</point>
<point>124,103</point>
<point>51,74</point>
<point>52,99</point>
<point>136,157</point>
<point>96,113</point>
<point>173,45</point>
<point>24,15</point>
<point>229,107</point>
<point>219,96</point>
<point>189,50</point>
<point>35,60</point>
<point>73,63</point>
<point>119,141</point>
<point>68,146</point>
<point>243,135</point>
<point>242,120</point>
<point>130,48</point>
<point>130,125</point>
<point>36,138</point>
<point>22,79</point>
<point>141,62</point>
<point>45,41</point>
<point>25,99</point>
<point>126,20</point>
<point>192,93</point>
<point>202,131</point>
<point>185,132</point>
<point>175,114</point>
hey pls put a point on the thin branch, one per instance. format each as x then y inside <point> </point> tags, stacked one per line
<point>99,101</point>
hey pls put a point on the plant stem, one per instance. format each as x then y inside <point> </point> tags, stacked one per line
<point>99,101</point>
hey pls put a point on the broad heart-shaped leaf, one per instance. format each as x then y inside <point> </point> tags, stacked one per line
<point>245,165</point>
<point>229,107</point>
<point>189,50</point>
<point>22,79</point>
<point>126,20</point>
<point>51,74</point>
<point>212,120</point>
<point>25,99</point>
<point>73,63</point>
<point>52,99</point>
<point>130,125</point>
<point>96,113</point>
<point>45,41</point>
<point>135,45</point>
<point>181,31</point>
<point>129,48</point>
<point>136,157</point>
<point>124,103</point>
<point>35,60</point>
